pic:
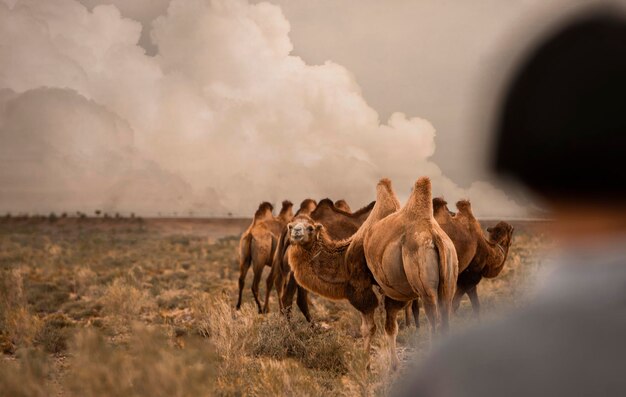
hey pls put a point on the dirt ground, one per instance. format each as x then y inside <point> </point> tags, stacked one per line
<point>119,307</point>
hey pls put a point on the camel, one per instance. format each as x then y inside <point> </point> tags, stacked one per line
<point>410,256</point>
<point>307,206</point>
<point>336,268</point>
<point>478,256</point>
<point>339,224</point>
<point>342,205</point>
<point>257,245</point>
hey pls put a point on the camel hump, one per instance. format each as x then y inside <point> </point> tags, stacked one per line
<point>439,204</point>
<point>384,189</point>
<point>307,206</point>
<point>465,208</point>
<point>420,201</point>
<point>326,203</point>
<point>285,212</point>
<point>263,212</point>
<point>343,205</point>
<point>385,182</point>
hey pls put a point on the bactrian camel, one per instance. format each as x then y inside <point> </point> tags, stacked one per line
<point>410,244</point>
<point>307,206</point>
<point>479,256</point>
<point>410,256</point>
<point>257,245</point>
<point>339,224</point>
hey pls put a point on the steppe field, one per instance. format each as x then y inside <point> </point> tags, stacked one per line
<point>124,307</point>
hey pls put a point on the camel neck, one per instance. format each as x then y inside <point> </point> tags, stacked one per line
<point>493,255</point>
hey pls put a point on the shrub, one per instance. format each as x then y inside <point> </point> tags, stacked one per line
<point>54,333</point>
<point>149,366</point>
<point>26,376</point>
<point>18,326</point>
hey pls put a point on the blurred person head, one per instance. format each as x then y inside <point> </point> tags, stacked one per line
<point>562,125</point>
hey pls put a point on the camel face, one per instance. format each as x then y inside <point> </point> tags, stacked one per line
<point>303,230</point>
<point>501,234</point>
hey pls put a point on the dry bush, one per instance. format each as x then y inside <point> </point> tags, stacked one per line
<point>84,278</point>
<point>314,346</point>
<point>268,355</point>
<point>54,333</point>
<point>229,330</point>
<point>18,326</point>
<point>26,376</point>
<point>148,366</point>
<point>123,303</point>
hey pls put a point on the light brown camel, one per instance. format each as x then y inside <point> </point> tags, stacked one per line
<point>342,205</point>
<point>257,245</point>
<point>410,255</point>
<point>478,255</point>
<point>336,268</point>
<point>339,225</point>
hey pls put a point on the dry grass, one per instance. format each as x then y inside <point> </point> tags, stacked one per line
<point>126,308</point>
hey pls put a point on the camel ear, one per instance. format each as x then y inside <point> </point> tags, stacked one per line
<point>318,227</point>
<point>489,229</point>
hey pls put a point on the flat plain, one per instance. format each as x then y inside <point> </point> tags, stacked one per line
<point>131,306</point>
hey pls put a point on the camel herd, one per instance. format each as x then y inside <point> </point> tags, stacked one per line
<point>419,251</point>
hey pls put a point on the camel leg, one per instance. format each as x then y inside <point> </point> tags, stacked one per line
<point>244,266</point>
<point>473,295</point>
<point>261,251</point>
<point>368,330</point>
<point>303,302</point>
<point>415,307</point>
<point>458,295</point>
<point>422,271</point>
<point>288,293</point>
<point>366,302</point>
<point>392,307</point>
<point>269,283</point>
<point>432,312</point>
<point>279,284</point>
<point>407,317</point>
<point>258,272</point>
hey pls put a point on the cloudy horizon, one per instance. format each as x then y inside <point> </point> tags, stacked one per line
<point>213,106</point>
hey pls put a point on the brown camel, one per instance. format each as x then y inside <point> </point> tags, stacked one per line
<point>257,245</point>
<point>342,205</point>
<point>306,207</point>
<point>339,225</point>
<point>410,255</point>
<point>478,256</point>
<point>336,268</point>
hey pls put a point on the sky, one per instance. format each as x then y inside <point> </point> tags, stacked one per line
<point>210,107</point>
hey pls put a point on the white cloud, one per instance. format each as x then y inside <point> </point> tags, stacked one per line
<point>222,111</point>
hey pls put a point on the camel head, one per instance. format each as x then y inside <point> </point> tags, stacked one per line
<point>303,230</point>
<point>501,234</point>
